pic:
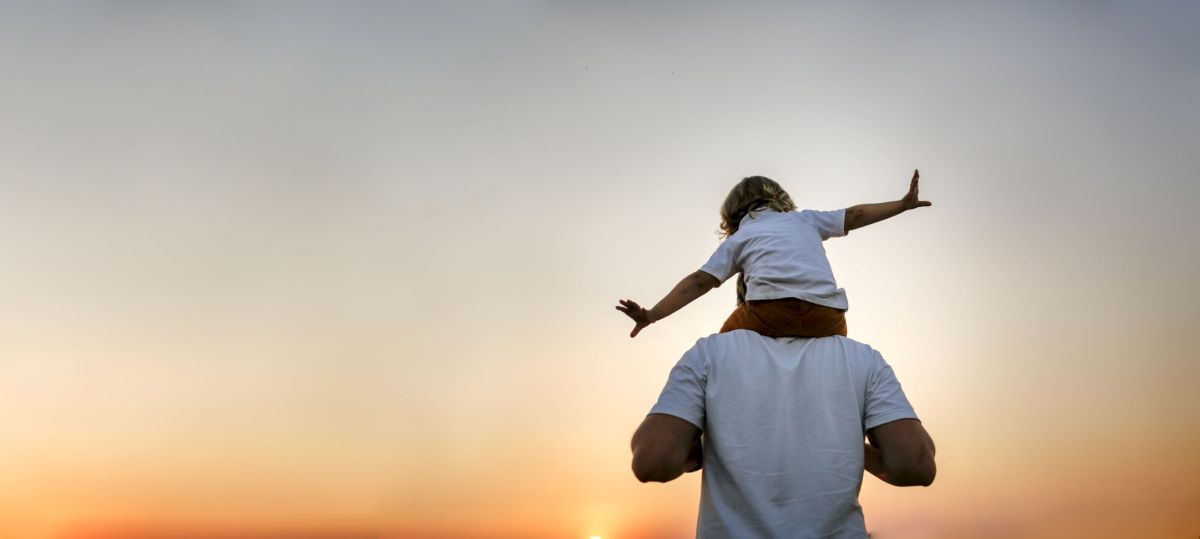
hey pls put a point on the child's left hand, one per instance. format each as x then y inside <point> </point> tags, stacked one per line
<point>695,458</point>
<point>641,317</point>
<point>912,200</point>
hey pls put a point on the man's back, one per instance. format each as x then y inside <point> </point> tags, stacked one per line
<point>783,422</point>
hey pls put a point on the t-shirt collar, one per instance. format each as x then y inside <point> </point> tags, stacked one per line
<point>752,214</point>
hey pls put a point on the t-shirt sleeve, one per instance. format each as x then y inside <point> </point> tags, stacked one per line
<point>831,224</point>
<point>885,400</point>
<point>722,264</point>
<point>683,396</point>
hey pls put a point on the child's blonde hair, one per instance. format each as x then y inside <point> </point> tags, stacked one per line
<point>748,194</point>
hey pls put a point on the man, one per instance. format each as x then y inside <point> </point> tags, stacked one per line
<point>783,422</point>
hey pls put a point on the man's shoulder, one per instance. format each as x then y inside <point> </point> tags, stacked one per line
<point>729,338</point>
<point>742,341</point>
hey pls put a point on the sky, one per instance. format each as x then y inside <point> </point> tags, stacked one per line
<point>347,270</point>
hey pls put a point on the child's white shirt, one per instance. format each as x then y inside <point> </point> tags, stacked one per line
<point>781,255</point>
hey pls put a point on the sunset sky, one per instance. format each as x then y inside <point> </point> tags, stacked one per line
<point>347,270</point>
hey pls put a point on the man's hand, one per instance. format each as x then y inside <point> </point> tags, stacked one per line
<point>911,201</point>
<point>873,462</point>
<point>695,458</point>
<point>664,448</point>
<point>901,453</point>
<point>641,317</point>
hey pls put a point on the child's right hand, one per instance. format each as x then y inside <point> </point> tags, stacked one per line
<point>641,317</point>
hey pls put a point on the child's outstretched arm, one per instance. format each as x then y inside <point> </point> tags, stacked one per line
<point>865,214</point>
<point>691,287</point>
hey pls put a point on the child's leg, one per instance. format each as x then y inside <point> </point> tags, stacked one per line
<point>787,318</point>
<point>739,319</point>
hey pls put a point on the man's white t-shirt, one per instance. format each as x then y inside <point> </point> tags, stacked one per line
<point>781,255</point>
<point>784,422</point>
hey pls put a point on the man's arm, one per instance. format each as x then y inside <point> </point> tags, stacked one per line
<point>664,447</point>
<point>901,453</point>
<point>866,214</point>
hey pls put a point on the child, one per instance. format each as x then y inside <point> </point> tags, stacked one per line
<point>789,289</point>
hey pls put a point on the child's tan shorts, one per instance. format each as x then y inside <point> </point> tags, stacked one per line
<point>788,317</point>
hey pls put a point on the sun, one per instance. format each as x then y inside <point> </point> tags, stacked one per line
<point>595,537</point>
